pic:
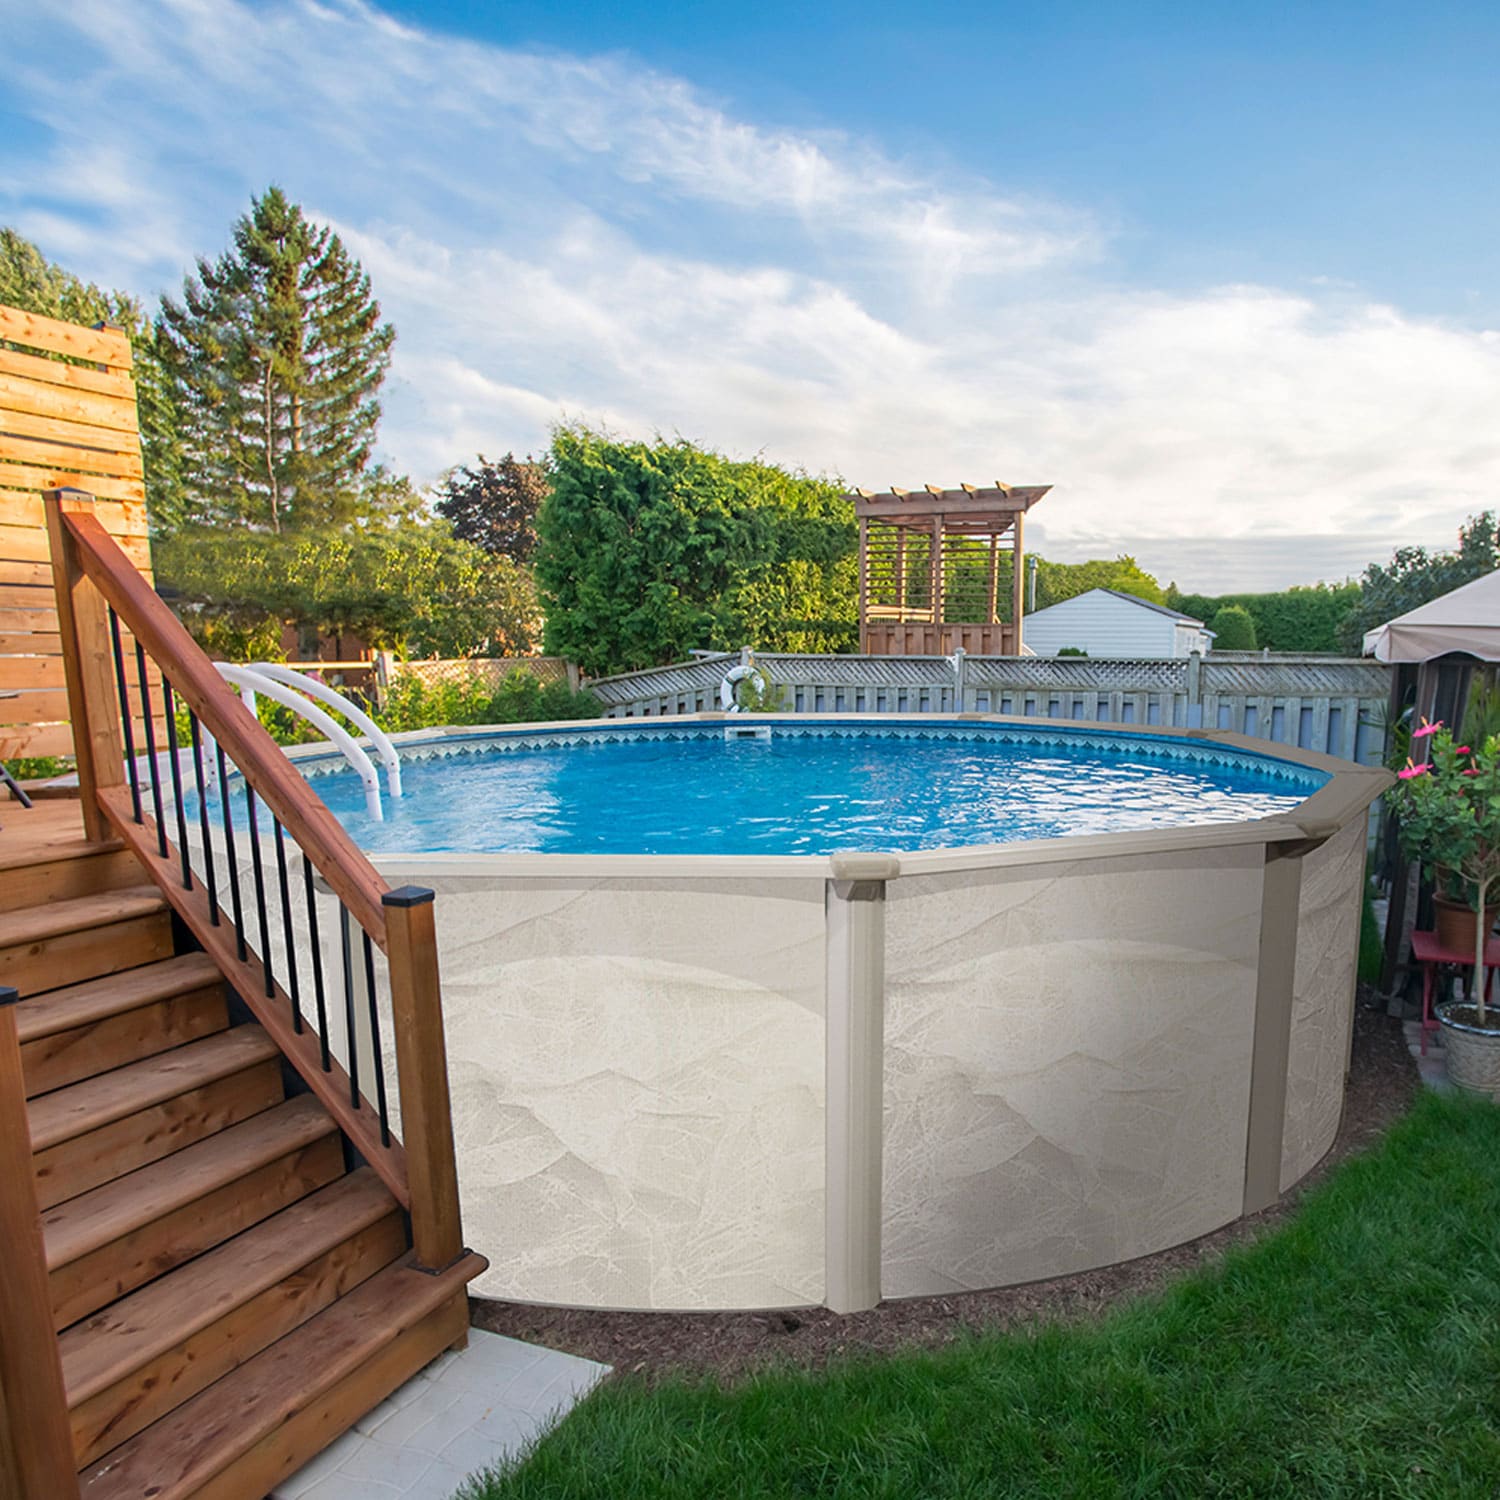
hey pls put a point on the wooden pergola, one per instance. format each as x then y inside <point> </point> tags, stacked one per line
<point>929,569</point>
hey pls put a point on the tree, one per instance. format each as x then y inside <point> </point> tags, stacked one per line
<point>1302,618</point>
<point>495,505</point>
<point>276,354</point>
<point>1233,629</point>
<point>646,551</point>
<point>30,281</point>
<point>1414,576</point>
<point>412,588</point>
<point>1058,581</point>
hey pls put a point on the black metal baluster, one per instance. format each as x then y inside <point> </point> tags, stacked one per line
<point>351,1041</point>
<point>286,927</point>
<point>169,708</point>
<point>260,891</point>
<point>385,1119</point>
<point>234,864</point>
<point>317,962</point>
<point>195,736</point>
<point>140,677</point>
<point>133,770</point>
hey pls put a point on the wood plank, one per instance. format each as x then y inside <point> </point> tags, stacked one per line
<point>32,671</point>
<point>247,1432</point>
<point>37,882</point>
<point>147,1354</point>
<point>105,487</point>
<point>65,1012</point>
<point>76,956</point>
<point>67,434</point>
<point>30,642</point>
<point>80,1110</point>
<point>111,413</point>
<point>94,459</point>
<point>63,1057</point>
<point>35,740</point>
<point>104,346</point>
<point>58,372</point>
<point>247,978</point>
<point>31,1385</point>
<point>107,1242</point>
<point>104,1155</point>
<point>37,925</point>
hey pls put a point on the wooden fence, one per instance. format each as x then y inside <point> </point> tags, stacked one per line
<point>1317,703</point>
<point>487,672</point>
<point>67,417</point>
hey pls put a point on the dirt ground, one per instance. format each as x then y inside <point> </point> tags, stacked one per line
<point>1382,1084</point>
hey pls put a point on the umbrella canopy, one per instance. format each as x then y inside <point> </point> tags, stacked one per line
<point>1467,619</point>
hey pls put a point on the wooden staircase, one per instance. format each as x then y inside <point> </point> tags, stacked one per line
<point>230,1289</point>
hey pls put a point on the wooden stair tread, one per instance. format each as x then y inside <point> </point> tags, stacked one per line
<point>81,1107</point>
<point>93,1219</point>
<point>184,1451</point>
<point>107,1347</point>
<point>94,1000</point>
<point>76,847</point>
<point>35,924</point>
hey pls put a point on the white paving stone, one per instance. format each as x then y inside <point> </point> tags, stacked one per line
<point>464,1413</point>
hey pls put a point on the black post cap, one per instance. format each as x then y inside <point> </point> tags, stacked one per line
<point>408,895</point>
<point>9,995</point>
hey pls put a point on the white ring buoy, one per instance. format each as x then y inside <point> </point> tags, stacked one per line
<point>732,679</point>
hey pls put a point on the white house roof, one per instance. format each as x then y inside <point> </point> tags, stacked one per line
<point>1160,609</point>
<point>1465,619</point>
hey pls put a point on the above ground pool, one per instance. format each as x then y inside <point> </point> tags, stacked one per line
<point>868,1008</point>
<point>789,788</point>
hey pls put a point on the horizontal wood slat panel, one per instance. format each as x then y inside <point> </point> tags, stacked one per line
<point>75,377</point>
<point>31,672</point>
<point>15,476</point>
<point>27,508</point>
<point>105,346</point>
<point>29,642</point>
<point>35,740</point>
<point>113,413</point>
<point>24,448</point>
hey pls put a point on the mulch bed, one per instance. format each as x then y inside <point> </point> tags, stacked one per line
<point>1382,1085</point>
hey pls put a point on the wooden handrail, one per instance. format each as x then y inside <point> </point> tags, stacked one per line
<point>92,570</point>
<point>335,856</point>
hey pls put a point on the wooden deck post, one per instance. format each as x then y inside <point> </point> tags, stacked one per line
<point>1017,580</point>
<point>422,1070</point>
<point>36,1443</point>
<point>88,666</point>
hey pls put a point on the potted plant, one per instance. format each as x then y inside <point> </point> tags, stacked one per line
<point>1448,811</point>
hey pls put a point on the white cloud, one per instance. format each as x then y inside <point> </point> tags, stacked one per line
<point>566,236</point>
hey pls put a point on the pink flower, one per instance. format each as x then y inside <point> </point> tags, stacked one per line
<point>1426,729</point>
<point>1468,771</point>
<point>1408,771</point>
<point>1463,750</point>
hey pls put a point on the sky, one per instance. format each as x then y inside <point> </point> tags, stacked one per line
<point>1223,274</point>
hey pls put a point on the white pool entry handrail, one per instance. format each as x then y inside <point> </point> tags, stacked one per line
<point>349,709</point>
<point>251,682</point>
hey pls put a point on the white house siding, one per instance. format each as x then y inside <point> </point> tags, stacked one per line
<point>1103,625</point>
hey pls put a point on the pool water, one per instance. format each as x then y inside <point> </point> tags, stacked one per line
<point>805,790</point>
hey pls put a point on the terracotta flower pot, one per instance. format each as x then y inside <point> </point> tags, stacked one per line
<point>1454,922</point>
<point>1472,1052</point>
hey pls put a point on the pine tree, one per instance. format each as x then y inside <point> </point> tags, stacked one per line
<point>495,505</point>
<point>276,354</point>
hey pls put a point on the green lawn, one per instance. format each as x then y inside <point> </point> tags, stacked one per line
<point>1355,1351</point>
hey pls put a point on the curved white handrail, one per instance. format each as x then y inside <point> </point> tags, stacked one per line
<point>249,681</point>
<point>351,711</point>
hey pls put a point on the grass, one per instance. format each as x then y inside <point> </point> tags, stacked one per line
<point>1353,1352</point>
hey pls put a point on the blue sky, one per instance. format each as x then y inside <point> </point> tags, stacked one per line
<point>1224,274</point>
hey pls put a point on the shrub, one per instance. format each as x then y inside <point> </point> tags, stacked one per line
<point>1233,629</point>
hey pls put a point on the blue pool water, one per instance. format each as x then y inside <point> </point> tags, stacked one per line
<point>810,789</point>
